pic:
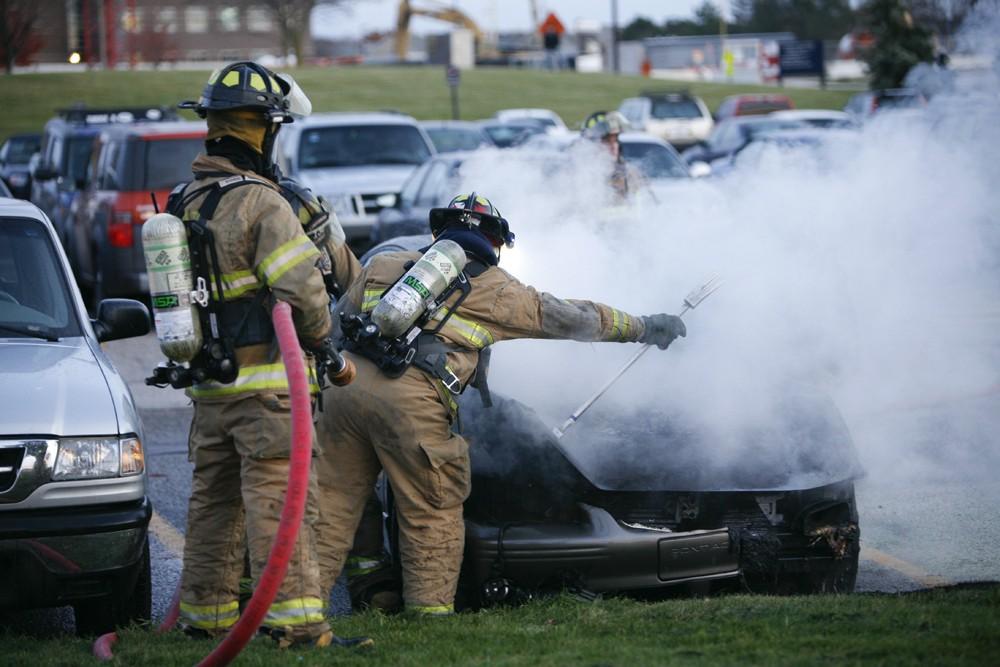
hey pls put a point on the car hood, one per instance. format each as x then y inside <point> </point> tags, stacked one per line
<point>372,179</point>
<point>806,445</point>
<point>53,388</point>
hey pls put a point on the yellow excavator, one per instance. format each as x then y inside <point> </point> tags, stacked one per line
<point>437,11</point>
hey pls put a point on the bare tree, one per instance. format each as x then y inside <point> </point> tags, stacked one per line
<point>18,37</point>
<point>293,22</point>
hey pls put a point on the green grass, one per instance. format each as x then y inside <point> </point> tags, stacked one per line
<point>957,626</point>
<point>419,91</point>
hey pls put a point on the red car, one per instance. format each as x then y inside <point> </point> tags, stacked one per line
<point>128,163</point>
<point>752,105</point>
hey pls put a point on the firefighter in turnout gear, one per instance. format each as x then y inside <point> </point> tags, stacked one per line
<point>240,435</point>
<point>605,127</point>
<point>400,419</point>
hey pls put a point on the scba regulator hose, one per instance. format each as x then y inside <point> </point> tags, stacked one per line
<point>291,513</point>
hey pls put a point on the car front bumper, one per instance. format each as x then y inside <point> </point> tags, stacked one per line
<point>53,557</point>
<point>598,553</point>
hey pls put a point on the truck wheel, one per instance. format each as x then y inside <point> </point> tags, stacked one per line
<point>130,604</point>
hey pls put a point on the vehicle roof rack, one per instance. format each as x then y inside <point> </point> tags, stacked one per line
<point>81,113</point>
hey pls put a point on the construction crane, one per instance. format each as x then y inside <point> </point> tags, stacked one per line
<point>437,11</point>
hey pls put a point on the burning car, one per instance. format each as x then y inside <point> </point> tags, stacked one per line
<point>640,504</point>
<point>655,501</point>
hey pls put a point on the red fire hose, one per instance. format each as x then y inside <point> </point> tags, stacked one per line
<point>291,513</point>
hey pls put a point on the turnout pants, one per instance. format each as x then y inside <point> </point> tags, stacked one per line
<point>399,426</point>
<point>240,451</point>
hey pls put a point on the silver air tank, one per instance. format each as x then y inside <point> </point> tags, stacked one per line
<point>399,308</point>
<point>171,281</point>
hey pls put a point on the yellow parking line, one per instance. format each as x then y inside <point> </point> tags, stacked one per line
<point>905,568</point>
<point>169,537</point>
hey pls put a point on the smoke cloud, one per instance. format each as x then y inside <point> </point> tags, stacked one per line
<point>868,272</point>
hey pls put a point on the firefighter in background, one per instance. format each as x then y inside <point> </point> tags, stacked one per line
<point>240,435</point>
<point>605,127</point>
<point>403,425</point>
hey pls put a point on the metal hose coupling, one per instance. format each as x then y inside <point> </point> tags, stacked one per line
<point>332,365</point>
<point>341,370</point>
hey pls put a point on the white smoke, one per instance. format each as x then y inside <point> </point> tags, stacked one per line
<point>872,273</point>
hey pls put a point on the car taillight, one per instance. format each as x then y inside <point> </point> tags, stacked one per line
<point>120,230</point>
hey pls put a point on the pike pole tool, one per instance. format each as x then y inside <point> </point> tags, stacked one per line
<point>691,302</point>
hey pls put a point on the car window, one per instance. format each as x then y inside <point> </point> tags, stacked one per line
<point>358,145</point>
<point>653,160</point>
<point>168,161</point>
<point>675,109</point>
<point>18,150</point>
<point>107,164</point>
<point>726,136</point>
<point>34,294</point>
<point>79,149</point>
<point>447,139</point>
<point>408,193</point>
<point>55,153</point>
<point>430,191</point>
<point>632,110</point>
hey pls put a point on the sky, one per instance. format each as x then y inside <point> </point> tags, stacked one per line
<point>364,16</point>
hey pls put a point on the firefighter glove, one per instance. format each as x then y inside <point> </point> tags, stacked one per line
<point>662,329</point>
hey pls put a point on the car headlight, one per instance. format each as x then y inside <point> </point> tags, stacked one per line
<point>95,458</point>
<point>18,180</point>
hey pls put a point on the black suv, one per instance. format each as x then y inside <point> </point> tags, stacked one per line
<point>129,163</point>
<point>61,170</point>
<point>15,156</point>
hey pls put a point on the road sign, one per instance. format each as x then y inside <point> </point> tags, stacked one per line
<point>453,74</point>
<point>801,58</point>
<point>552,24</point>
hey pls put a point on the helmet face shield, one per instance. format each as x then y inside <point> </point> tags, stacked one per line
<point>299,105</point>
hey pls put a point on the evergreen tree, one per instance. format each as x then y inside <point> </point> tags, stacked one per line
<point>900,43</point>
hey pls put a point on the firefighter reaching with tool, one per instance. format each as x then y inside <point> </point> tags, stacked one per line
<point>247,249</point>
<point>419,327</point>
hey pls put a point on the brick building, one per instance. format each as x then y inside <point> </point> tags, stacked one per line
<point>116,32</point>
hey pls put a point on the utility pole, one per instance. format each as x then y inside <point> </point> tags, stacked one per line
<point>614,36</point>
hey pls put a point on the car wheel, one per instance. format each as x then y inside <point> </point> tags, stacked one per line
<point>131,603</point>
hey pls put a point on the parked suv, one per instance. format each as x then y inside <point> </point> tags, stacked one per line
<point>61,170</point>
<point>353,159</point>
<point>678,118</point>
<point>128,163</point>
<point>15,156</point>
<point>73,506</point>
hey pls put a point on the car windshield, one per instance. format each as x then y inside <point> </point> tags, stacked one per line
<point>675,109</point>
<point>168,161</point>
<point>20,149</point>
<point>78,158</point>
<point>653,160</point>
<point>358,145</point>
<point>35,301</point>
<point>505,136</point>
<point>447,139</point>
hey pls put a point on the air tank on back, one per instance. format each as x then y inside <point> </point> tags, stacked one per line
<point>400,308</point>
<point>171,281</point>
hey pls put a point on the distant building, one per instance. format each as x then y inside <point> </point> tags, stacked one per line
<point>702,56</point>
<point>116,32</point>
